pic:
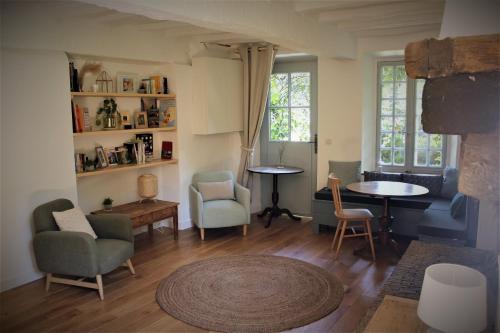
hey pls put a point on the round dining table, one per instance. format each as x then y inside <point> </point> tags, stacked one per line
<point>276,170</point>
<point>387,190</point>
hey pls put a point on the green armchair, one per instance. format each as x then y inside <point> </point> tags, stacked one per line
<point>219,213</point>
<point>78,253</point>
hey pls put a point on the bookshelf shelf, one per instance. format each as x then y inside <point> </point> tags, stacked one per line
<point>120,168</point>
<point>99,94</point>
<point>124,131</point>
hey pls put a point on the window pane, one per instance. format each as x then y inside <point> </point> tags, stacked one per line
<point>386,124</point>
<point>435,158</point>
<point>400,107</point>
<point>399,124</point>
<point>278,126</point>
<point>421,141</point>
<point>301,118</point>
<point>300,93</point>
<point>385,156</point>
<point>386,140</point>
<point>399,157</point>
<point>399,140</point>
<point>386,107</point>
<point>387,90</point>
<point>418,124</point>
<point>400,90</point>
<point>436,141</point>
<point>279,89</point>
<point>400,73</point>
<point>421,158</point>
<point>420,88</point>
<point>387,73</point>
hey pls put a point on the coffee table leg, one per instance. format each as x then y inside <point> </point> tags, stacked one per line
<point>264,212</point>
<point>385,231</point>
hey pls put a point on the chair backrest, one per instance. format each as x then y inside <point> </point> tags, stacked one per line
<point>211,176</point>
<point>337,201</point>
<point>42,215</point>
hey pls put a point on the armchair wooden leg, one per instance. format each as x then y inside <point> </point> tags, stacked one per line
<point>202,233</point>
<point>98,279</point>
<point>130,267</point>
<point>48,279</point>
<point>245,229</point>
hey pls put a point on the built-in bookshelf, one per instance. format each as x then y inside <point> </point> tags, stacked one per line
<point>125,131</point>
<point>120,168</point>
<point>117,94</point>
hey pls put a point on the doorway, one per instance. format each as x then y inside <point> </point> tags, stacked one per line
<point>288,134</point>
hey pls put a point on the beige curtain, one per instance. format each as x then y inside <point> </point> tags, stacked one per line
<point>257,64</point>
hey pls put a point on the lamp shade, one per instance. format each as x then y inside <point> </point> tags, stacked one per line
<point>453,299</point>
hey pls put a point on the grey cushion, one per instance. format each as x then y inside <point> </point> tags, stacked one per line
<point>432,182</point>
<point>111,253</point>
<point>348,172</point>
<point>382,176</point>
<point>223,213</point>
<point>457,205</point>
<point>450,183</point>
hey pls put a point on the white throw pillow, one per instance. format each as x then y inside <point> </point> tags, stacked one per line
<point>217,190</point>
<point>73,220</point>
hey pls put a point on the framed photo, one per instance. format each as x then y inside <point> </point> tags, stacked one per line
<point>126,120</point>
<point>111,156</point>
<point>141,120</point>
<point>101,157</point>
<point>127,83</point>
<point>168,117</point>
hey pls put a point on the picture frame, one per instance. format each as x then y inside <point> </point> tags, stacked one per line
<point>101,157</point>
<point>168,117</point>
<point>141,120</point>
<point>127,82</point>
<point>126,120</point>
<point>111,156</point>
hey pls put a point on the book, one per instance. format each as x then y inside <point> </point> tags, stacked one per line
<point>87,127</point>
<point>73,117</point>
<point>168,113</point>
<point>79,118</point>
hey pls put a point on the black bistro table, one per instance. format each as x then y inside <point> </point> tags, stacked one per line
<point>276,170</point>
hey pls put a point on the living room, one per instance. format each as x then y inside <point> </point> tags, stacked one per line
<point>346,48</point>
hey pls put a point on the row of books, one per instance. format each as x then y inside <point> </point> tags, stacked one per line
<point>81,118</point>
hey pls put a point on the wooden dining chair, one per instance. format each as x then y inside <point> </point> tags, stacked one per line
<point>345,216</point>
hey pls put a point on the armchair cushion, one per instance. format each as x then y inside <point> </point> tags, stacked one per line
<point>66,252</point>
<point>112,252</point>
<point>113,226</point>
<point>42,215</point>
<point>73,220</point>
<point>217,190</point>
<point>224,213</point>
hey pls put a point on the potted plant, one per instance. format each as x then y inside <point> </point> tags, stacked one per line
<point>108,204</point>
<point>107,114</point>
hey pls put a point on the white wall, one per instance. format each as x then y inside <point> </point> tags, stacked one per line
<point>36,150</point>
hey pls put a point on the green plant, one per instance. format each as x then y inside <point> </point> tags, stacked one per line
<point>108,109</point>
<point>107,201</point>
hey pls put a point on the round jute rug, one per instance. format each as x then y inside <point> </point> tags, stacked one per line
<point>249,293</point>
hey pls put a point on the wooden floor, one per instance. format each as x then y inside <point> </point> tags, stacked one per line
<point>130,304</point>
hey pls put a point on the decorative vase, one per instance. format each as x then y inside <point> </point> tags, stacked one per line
<point>109,122</point>
<point>108,208</point>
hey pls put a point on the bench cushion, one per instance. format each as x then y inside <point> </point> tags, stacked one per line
<point>432,182</point>
<point>382,176</point>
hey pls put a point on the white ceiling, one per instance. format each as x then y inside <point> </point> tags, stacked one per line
<point>366,18</point>
<point>362,18</point>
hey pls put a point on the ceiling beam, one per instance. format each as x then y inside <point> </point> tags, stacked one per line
<point>310,6</point>
<point>382,23</point>
<point>433,29</point>
<point>385,11</point>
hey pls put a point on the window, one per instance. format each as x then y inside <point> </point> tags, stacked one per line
<point>402,144</point>
<point>290,107</point>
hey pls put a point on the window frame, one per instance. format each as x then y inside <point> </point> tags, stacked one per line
<point>410,127</point>
<point>289,107</point>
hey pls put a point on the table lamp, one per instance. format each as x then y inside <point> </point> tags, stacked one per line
<point>453,299</point>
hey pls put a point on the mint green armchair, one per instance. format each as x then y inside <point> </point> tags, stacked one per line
<point>219,213</point>
<point>77,253</point>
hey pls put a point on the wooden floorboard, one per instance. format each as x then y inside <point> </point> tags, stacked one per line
<point>130,304</point>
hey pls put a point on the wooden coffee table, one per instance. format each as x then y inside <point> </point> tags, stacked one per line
<point>147,213</point>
